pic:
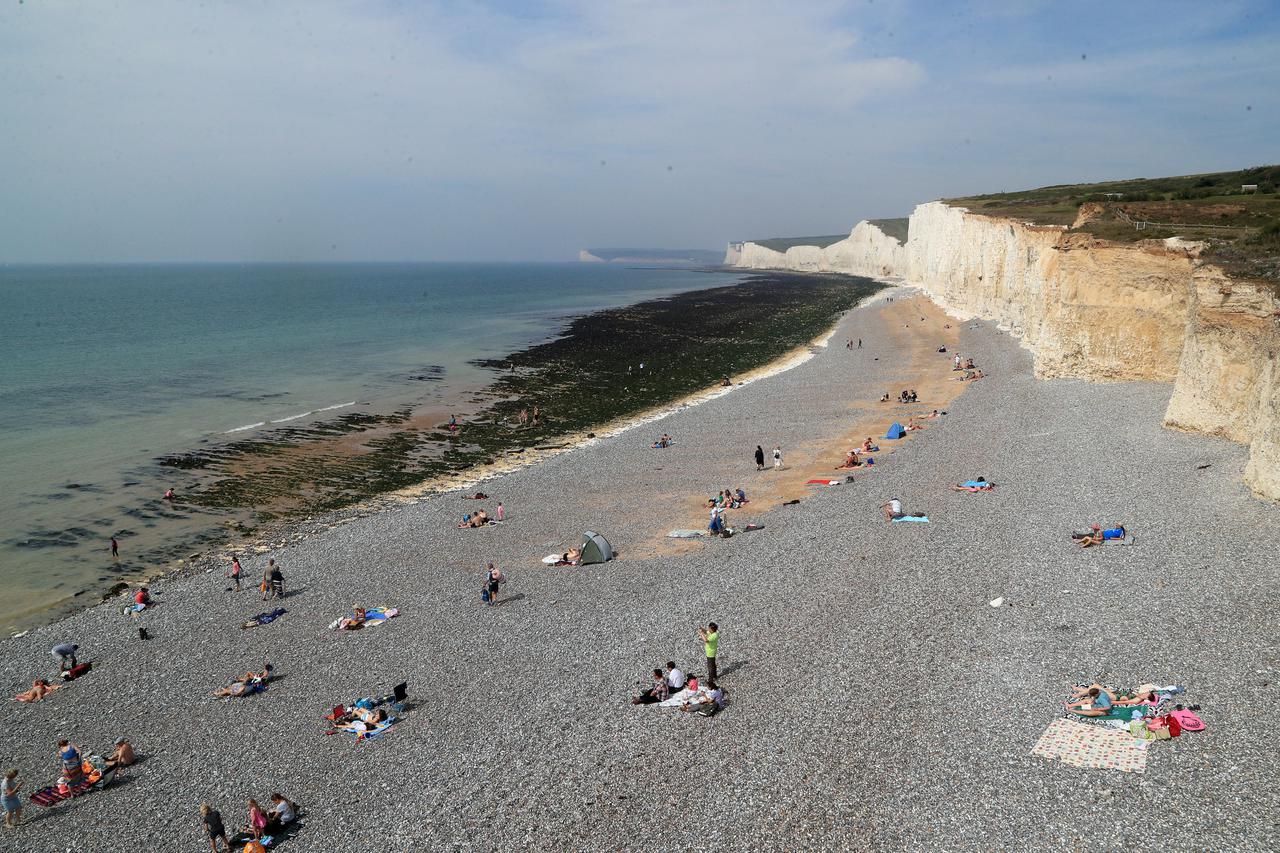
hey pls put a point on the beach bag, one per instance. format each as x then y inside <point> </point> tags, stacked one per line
<point>1187,721</point>
<point>484,594</point>
<point>1175,727</point>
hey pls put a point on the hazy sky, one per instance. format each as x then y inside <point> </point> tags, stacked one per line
<point>526,130</point>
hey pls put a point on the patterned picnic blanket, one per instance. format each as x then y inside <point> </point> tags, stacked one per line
<point>1077,744</point>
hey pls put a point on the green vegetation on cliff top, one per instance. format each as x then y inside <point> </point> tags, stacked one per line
<point>1242,226</point>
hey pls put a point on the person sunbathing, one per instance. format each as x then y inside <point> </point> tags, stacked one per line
<point>868,447</point>
<point>573,555</point>
<point>39,689</point>
<point>355,621</point>
<point>1093,701</point>
<point>978,485</point>
<point>850,460</point>
<point>252,682</point>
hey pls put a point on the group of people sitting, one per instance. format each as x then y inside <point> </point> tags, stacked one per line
<point>958,364</point>
<point>728,499</point>
<point>479,518</point>
<point>1097,535</point>
<point>664,440</point>
<point>248,684</point>
<point>907,396</point>
<point>78,769</point>
<point>673,688</point>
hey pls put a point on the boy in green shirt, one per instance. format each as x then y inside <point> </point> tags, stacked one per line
<point>710,637</point>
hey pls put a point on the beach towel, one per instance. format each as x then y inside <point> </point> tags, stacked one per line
<point>361,734</point>
<point>1090,747</point>
<point>907,518</point>
<point>373,617</point>
<point>686,534</point>
<point>895,432</point>
<point>1127,540</point>
<point>50,796</point>
<point>822,482</point>
<point>264,618</point>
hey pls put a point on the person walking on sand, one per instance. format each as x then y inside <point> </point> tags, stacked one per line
<point>859,343</point>
<point>12,802</point>
<point>777,456</point>
<point>213,828</point>
<point>710,637</point>
<point>276,577</point>
<point>115,549</point>
<point>236,571</point>
<point>759,458</point>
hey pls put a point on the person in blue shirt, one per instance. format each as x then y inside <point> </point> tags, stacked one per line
<point>978,485</point>
<point>1096,701</point>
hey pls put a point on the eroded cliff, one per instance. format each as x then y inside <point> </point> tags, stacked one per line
<point>1090,309</point>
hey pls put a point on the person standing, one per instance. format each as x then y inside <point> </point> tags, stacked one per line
<point>759,458</point>
<point>236,571</point>
<point>502,513</point>
<point>115,549</point>
<point>859,343</point>
<point>277,580</point>
<point>777,456</point>
<point>493,578</point>
<point>9,796</point>
<point>69,757</point>
<point>213,827</point>
<point>710,637</point>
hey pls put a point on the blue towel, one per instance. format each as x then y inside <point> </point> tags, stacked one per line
<point>921,518</point>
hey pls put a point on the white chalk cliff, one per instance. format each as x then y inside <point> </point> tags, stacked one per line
<point>1090,309</point>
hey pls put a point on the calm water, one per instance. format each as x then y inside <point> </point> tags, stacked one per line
<point>106,368</point>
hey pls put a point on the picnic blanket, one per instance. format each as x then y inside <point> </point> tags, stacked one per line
<point>686,695</point>
<point>51,795</point>
<point>1088,747</point>
<point>264,618</point>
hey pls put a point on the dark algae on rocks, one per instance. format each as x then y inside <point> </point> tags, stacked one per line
<point>607,365</point>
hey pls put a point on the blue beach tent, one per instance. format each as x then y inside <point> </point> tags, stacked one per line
<point>895,431</point>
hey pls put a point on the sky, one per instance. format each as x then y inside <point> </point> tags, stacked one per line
<point>526,130</point>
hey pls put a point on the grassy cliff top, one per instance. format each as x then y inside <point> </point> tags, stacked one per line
<point>1241,226</point>
<point>895,228</point>
<point>781,244</point>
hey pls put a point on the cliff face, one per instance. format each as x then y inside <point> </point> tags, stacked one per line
<point>1093,310</point>
<point>867,251</point>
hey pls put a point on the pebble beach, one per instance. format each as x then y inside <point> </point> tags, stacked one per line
<point>877,700</point>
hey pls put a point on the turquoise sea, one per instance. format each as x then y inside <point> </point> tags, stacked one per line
<point>107,368</point>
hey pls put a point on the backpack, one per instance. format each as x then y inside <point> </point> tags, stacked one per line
<point>484,594</point>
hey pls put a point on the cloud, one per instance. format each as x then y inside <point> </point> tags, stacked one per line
<point>463,129</point>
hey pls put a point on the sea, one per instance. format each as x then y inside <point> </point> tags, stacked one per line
<point>108,368</point>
